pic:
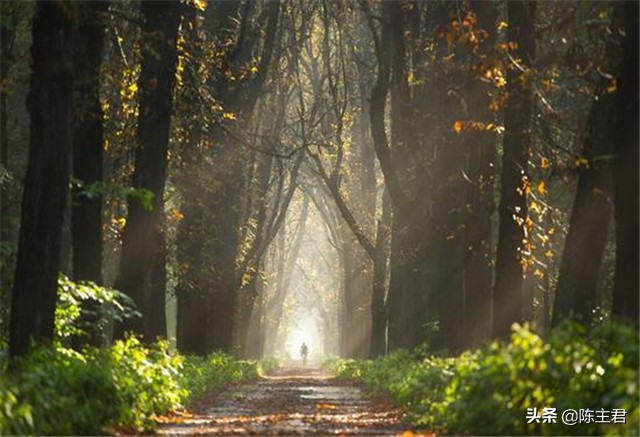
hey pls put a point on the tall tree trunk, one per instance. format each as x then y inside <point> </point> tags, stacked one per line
<point>245,306</point>
<point>408,284</point>
<point>253,338</point>
<point>481,160</point>
<point>447,219</point>
<point>7,39</point>
<point>576,294</point>
<point>50,105</point>
<point>191,254</point>
<point>225,203</point>
<point>86,219</point>
<point>576,291</point>
<point>357,285</point>
<point>448,240</point>
<point>156,303</point>
<point>274,304</point>
<point>378,306</point>
<point>398,315</point>
<point>142,233</point>
<point>247,295</point>
<point>192,312</point>
<point>625,176</point>
<point>507,293</point>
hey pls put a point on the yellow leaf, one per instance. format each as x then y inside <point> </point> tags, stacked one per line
<point>581,162</point>
<point>176,214</point>
<point>525,190</point>
<point>229,116</point>
<point>246,277</point>
<point>503,25</point>
<point>613,86</point>
<point>544,163</point>
<point>457,127</point>
<point>534,207</point>
<point>200,4</point>
<point>541,187</point>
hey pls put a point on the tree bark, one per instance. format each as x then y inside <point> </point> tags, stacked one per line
<point>143,231</point>
<point>380,273</point>
<point>447,218</point>
<point>7,39</point>
<point>224,228</point>
<point>625,176</point>
<point>251,271</point>
<point>191,289</point>
<point>481,160</point>
<point>407,284</point>
<point>576,291</point>
<point>507,294</point>
<point>50,103</point>
<point>357,284</point>
<point>86,218</point>
<point>272,311</point>
<point>254,343</point>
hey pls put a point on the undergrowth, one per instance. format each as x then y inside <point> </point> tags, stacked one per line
<point>55,390</point>
<point>488,391</point>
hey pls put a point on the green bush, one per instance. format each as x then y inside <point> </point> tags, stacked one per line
<point>16,417</point>
<point>65,393</point>
<point>62,392</point>
<point>55,390</point>
<point>84,307</point>
<point>267,364</point>
<point>146,381</point>
<point>201,373</point>
<point>488,391</point>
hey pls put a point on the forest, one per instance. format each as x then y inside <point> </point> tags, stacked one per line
<point>436,201</point>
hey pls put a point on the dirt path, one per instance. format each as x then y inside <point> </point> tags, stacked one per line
<point>291,401</point>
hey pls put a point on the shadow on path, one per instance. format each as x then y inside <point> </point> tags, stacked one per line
<point>290,401</point>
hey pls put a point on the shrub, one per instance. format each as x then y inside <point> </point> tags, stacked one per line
<point>488,391</point>
<point>65,393</point>
<point>267,364</point>
<point>55,390</point>
<point>146,381</point>
<point>201,373</point>
<point>16,417</point>
<point>62,392</point>
<point>84,307</point>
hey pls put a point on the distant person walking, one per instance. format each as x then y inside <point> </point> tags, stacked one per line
<point>304,351</point>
